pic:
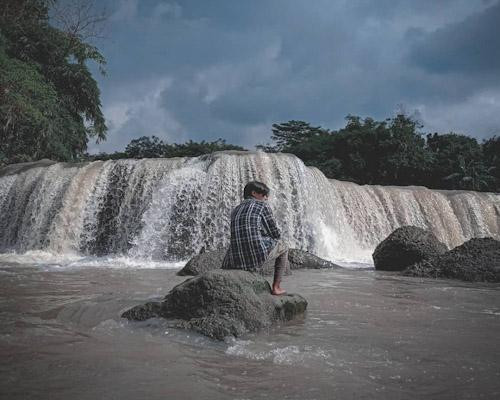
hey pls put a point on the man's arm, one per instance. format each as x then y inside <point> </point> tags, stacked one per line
<point>269,223</point>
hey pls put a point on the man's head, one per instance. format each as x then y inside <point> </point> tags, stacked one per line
<point>257,190</point>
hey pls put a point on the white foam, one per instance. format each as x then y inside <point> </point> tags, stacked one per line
<point>354,264</point>
<point>491,312</point>
<point>48,260</point>
<point>287,355</point>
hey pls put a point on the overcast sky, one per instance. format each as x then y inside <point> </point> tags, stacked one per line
<point>204,69</point>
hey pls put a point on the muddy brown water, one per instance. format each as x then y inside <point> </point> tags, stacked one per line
<point>366,335</point>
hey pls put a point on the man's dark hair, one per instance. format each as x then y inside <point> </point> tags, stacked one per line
<point>257,187</point>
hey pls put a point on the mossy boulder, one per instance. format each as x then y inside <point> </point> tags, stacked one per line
<point>406,246</point>
<point>477,260</point>
<point>222,303</point>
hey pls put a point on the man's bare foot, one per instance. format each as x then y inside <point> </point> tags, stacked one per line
<point>277,291</point>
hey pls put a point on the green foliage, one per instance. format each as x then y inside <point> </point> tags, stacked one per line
<point>405,160</point>
<point>290,134</point>
<point>451,153</point>
<point>34,122</point>
<point>365,151</point>
<point>194,149</point>
<point>491,153</point>
<point>49,102</point>
<point>472,175</point>
<point>153,147</point>
<point>392,152</point>
<point>146,147</point>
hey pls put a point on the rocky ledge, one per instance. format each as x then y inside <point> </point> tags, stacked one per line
<point>406,246</point>
<point>211,260</point>
<point>222,303</point>
<point>477,260</point>
<point>203,262</point>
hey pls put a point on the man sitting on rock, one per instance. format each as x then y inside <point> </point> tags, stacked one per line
<point>255,238</point>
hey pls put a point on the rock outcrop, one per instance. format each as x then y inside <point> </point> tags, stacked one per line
<point>211,260</point>
<point>203,262</point>
<point>406,246</point>
<point>300,259</point>
<point>222,303</point>
<point>477,260</point>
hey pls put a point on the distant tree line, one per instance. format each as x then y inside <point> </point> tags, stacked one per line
<point>392,152</point>
<point>365,151</point>
<point>153,147</point>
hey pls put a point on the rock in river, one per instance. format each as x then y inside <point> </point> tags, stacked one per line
<point>477,260</point>
<point>203,262</point>
<point>406,246</point>
<point>298,259</point>
<point>222,303</point>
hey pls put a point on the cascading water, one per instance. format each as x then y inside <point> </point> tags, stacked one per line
<point>170,209</point>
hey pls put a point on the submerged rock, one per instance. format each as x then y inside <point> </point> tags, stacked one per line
<point>298,259</point>
<point>406,246</point>
<point>144,311</point>
<point>222,303</point>
<point>477,260</point>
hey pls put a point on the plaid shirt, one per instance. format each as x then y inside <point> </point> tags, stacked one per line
<point>253,235</point>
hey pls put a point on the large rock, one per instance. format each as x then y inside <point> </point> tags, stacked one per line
<point>477,260</point>
<point>203,262</point>
<point>298,259</point>
<point>222,303</point>
<point>406,246</point>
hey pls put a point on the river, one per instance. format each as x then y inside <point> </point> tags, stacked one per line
<point>82,242</point>
<point>366,335</point>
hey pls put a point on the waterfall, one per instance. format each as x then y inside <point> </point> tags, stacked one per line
<point>170,209</point>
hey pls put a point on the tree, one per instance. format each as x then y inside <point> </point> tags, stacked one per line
<point>194,149</point>
<point>49,102</point>
<point>146,147</point>
<point>379,152</point>
<point>80,19</point>
<point>153,147</point>
<point>491,154</point>
<point>472,175</point>
<point>290,134</point>
<point>364,151</point>
<point>33,122</point>
<point>452,154</point>
<point>405,160</point>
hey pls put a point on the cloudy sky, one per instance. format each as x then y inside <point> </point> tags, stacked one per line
<point>204,69</point>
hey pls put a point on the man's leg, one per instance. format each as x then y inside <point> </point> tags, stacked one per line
<point>280,266</point>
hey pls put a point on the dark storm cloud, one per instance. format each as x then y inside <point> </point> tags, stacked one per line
<point>207,69</point>
<point>470,46</point>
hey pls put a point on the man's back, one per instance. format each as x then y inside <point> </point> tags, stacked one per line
<point>253,235</point>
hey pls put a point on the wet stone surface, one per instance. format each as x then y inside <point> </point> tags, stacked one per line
<point>222,303</point>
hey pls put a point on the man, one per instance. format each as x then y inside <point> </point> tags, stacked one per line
<point>255,238</point>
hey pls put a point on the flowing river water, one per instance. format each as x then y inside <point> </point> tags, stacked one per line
<point>81,243</point>
<point>366,335</point>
